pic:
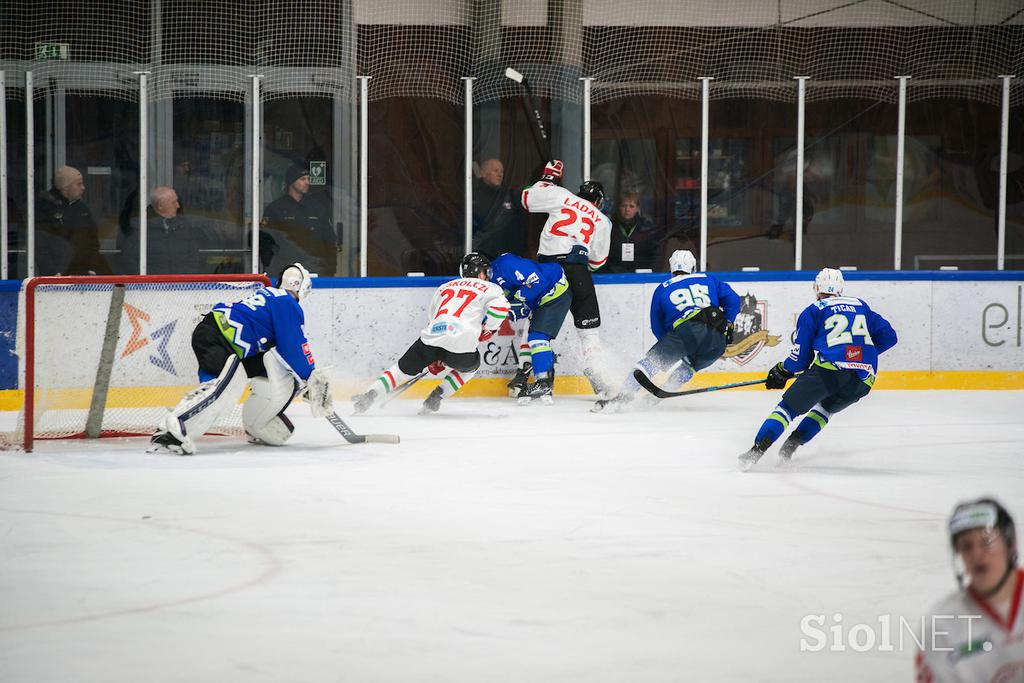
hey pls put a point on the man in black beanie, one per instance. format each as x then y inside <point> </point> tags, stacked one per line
<point>299,227</point>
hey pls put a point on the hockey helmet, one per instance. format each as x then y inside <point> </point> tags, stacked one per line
<point>829,281</point>
<point>593,192</point>
<point>296,279</point>
<point>987,514</point>
<point>682,261</point>
<point>473,263</point>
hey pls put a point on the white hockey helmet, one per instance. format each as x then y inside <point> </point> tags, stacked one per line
<point>682,261</point>
<point>296,279</point>
<point>989,515</point>
<point>829,281</point>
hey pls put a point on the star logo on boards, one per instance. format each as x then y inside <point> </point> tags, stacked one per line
<point>139,339</point>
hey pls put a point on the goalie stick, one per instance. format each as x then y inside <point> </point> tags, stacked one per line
<point>650,386</point>
<point>529,102</point>
<point>352,437</point>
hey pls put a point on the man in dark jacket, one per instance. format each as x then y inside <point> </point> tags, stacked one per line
<point>67,238</point>
<point>635,241</point>
<point>498,224</point>
<point>299,227</point>
<point>173,243</point>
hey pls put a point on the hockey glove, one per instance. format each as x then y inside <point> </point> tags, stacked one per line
<point>730,330</point>
<point>552,171</point>
<point>317,393</point>
<point>435,368</point>
<point>777,377</point>
<point>518,311</point>
<point>486,334</point>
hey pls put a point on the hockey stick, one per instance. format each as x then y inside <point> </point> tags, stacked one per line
<point>650,386</point>
<point>402,389</point>
<point>352,437</point>
<point>529,102</point>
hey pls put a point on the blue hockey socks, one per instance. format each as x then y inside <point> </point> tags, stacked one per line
<point>773,427</point>
<point>542,356</point>
<point>815,420</point>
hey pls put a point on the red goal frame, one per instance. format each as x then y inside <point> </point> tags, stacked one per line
<point>30,321</point>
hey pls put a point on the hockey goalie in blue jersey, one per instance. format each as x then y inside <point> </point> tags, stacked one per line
<point>260,337</point>
<point>540,292</point>
<point>691,317</point>
<point>838,341</point>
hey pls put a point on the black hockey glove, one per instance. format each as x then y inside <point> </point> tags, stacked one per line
<point>730,329</point>
<point>777,377</point>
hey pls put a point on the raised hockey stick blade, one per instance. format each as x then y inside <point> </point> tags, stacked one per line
<point>352,437</point>
<point>530,105</point>
<point>650,386</point>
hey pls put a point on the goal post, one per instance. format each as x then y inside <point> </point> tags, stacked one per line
<point>108,355</point>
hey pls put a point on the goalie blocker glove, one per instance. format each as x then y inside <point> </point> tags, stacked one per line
<point>777,377</point>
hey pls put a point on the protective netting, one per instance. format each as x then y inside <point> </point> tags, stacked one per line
<point>416,48</point>
<point>110,365</point>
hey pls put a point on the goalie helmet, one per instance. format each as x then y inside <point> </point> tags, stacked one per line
<point>829,281</point>
<point>296,279</point>
<point>472,265</point>
<point>593,192</point>
<point>682,261</point>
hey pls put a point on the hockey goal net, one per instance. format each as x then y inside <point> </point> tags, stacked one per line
<point>109,355</point>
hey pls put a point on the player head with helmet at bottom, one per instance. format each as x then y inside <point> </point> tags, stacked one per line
<point>974,633</point>
<point>984,546</point>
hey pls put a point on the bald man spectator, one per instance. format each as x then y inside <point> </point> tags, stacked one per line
<point>297,228</point>
<point>173,243</point>
<point>67,238</point>
<point>498,217</point>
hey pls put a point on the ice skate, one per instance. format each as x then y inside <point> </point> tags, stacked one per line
<point>521,379</point>
<point>750,458</point>
<point>611,405</point>
<point>432,402</point>
<point>362,402</point>
<point>540,390</point>
<point>165,442</point>
<point>786,452</point>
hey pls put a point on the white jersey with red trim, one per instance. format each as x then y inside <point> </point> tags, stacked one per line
<point>572,222</point>
<point>967,640</point>
<point>460,309</point>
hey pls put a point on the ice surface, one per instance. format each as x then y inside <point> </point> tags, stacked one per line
<point>496,543</point>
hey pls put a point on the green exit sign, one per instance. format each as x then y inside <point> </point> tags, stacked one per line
<point>50,51</point>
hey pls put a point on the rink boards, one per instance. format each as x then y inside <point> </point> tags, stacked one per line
<point>956,330</point>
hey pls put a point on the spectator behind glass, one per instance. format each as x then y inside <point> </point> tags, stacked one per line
<point>635,240</point>
<point>173,243</point>
<point>498,224</point>
<point>297,228</point>
<point>67,239</point>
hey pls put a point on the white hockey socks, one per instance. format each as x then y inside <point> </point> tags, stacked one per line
<point>453,380</point>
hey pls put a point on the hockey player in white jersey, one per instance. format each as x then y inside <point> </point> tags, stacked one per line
<point>576,236</point>
<point>976,635</point>
<point>463,312</point>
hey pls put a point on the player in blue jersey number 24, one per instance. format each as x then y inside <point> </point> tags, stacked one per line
<point>838,341</point>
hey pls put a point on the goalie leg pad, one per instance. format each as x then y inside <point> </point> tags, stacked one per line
<point>201,407</point>
<point>263,413</point>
